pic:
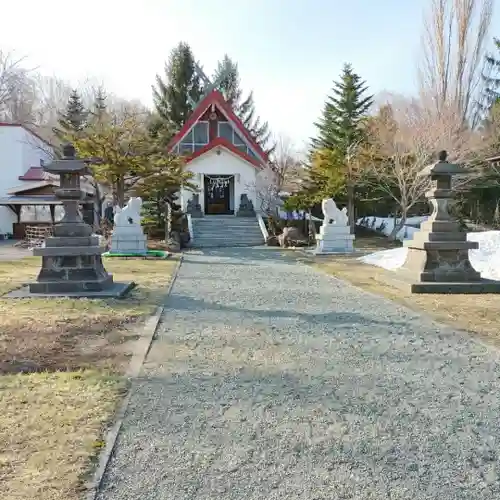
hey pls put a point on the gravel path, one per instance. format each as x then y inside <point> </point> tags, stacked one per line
<point>269,380</point>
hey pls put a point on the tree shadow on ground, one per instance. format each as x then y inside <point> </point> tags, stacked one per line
<point>186,303</point>
<point>288,434</point>
<point>241,256</point>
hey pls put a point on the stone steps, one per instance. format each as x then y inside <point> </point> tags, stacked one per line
<point>226,231</point>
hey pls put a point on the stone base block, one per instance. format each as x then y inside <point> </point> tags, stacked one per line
<point>333,246</point>
<point>115,291</point>
<point>73,284</point>
<point>246,213</point>
<point>333,231</point>
<point>403,280</point>
<point>478,287</point>
<point>131,244</point>
<point>440,266</point>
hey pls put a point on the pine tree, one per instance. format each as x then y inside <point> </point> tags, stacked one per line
<point>74,118</point>
<point>171,94</point>
<point>159,186</point>
<point>100,107</point>
<point>244,108</point>
<point>341,129</point>
<point>124,149</point>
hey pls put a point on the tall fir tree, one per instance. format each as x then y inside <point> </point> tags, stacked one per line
<point>340,126</point>
<point>172,94</point>
<point>228,74</point>
<point>341,129</point>
<point>99,107</point>
<point>73,119</point>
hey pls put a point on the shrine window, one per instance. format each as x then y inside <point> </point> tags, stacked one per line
<point>200,133</point>
<point>226,131</point>
<point>238,141</point>
<point>185,148</point>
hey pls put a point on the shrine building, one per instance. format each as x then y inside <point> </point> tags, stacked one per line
<point>224,158</point>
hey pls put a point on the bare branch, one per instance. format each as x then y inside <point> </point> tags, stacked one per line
<point>17,94</point>
<point>453,46</point>
<point>406,138</point>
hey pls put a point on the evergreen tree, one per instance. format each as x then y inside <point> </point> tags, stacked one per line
<point>124,148</point>
<point>228,74</point>
<point>159,187</point>
<point>100,107</point>
<point>73,119</point>
<point>172,94</point>
<point>341,125</point>
<point>341,129</point>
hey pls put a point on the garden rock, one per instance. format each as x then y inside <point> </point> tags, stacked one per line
<point>292,236</point>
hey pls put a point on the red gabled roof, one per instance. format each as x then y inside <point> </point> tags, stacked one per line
<point>224,143</point>
<point>34,174</point>
<point>6,124</point>
<point>215,97</point>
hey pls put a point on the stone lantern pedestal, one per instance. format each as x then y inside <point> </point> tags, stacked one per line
<point>72,259</point>
<point>438,255</point>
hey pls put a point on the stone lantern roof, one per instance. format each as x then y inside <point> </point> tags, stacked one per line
<point>69,163</point>
<point>442,167</point>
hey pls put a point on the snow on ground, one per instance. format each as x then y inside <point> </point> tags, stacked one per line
<point>406,232</point>
<point>486,259</point>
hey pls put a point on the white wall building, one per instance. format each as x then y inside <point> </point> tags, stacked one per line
<point>26,191</point>
<point>21,155</point>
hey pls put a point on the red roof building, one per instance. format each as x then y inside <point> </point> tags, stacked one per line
<point>227,162</point>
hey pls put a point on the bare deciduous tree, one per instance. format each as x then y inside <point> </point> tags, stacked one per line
<point>453,48</point>
<point>16,89</point>
<point>406,136</point>
<point>284,173</point>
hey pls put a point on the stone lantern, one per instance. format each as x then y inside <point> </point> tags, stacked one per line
<point>438,255</point>
<point>72,258</point>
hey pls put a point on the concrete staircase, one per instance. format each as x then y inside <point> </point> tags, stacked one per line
<point>215,231</point>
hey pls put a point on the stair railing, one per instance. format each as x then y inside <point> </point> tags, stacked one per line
<point>263,227</point>
<point>190,228</point>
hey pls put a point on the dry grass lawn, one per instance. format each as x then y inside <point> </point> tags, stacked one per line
<point>50,427</point>
<point>474,313</point>
<point>60,366</point>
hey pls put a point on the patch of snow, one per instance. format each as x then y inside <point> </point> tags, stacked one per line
<point>296,215</point>
<point>486,259</point>
<point>405,233</point>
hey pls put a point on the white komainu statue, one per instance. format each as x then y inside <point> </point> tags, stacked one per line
<point>129,214</point>
<point>332,214</point>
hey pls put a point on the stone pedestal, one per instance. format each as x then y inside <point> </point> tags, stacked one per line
<point>72,258</point>
<point>246,207</point>
<point>71,264</point>
<point>193,207</point>
<point>333,239</point>
<point>129,240</point>
<point>438,255</point>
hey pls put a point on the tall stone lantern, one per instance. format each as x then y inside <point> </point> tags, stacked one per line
<point>438,255</point>
<point>72,258</point>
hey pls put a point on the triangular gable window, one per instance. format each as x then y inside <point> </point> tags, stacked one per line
<point>238,141</point>
<point>195,139</point>
<point>226,131</point>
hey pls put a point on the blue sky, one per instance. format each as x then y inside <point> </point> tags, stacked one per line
<point>288,51</point>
